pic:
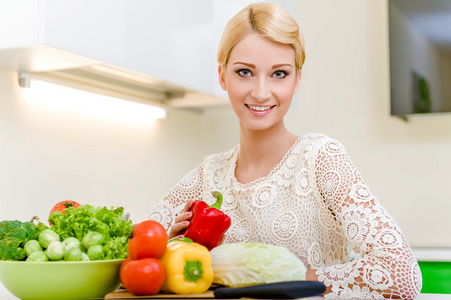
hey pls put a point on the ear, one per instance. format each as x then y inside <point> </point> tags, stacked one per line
<point>222,81</point>
<point>298,81</point>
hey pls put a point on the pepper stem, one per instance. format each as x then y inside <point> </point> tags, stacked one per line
<point>193,271</point>
<point>218,202</point>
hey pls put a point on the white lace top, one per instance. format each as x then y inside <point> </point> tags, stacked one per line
<point>316,204</point>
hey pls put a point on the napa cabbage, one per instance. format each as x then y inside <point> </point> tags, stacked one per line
<point>244,264</point>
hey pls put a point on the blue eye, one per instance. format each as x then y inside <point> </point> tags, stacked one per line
<point>244,73</point>
<point>279,74</point>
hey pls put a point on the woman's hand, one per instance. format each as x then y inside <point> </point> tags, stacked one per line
<point>181,221</point>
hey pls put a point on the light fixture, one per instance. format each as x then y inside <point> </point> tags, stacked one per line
<point>117,82</point>
<point>70,102</point>
<point>110,81</point>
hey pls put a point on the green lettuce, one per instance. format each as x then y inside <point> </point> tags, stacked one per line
<point>244,264</point>
<point>109,222</point>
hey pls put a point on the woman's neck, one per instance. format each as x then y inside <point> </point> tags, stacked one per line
<point>261,151</point>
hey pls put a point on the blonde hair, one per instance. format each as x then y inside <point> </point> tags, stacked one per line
<point>270,21</point>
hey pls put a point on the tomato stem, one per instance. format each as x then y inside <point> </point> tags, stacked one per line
<point>68,204</point>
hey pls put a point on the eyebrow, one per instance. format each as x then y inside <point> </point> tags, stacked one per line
<point>282,65</point>
<point>253,66</point>
<point>243,63</point>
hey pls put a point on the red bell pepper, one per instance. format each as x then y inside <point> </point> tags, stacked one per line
<point>208,224</point>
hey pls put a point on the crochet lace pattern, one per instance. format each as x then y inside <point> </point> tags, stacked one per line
<point>316,204</point>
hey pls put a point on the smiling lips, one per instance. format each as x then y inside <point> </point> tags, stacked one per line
<point>259,110</point>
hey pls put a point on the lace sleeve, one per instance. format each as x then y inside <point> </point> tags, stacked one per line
<point>189,188</point>
<point>385,265</point>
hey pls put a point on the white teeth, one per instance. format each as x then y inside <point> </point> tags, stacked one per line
<point>259,108</point>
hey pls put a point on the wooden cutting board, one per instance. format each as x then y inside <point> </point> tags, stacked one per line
<point>124,294</point>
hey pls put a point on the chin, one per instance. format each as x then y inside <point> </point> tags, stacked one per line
<point>261,125</point>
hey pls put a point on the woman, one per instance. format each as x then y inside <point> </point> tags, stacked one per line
<point>302,193</point>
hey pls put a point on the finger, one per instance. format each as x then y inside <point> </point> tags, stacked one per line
<point>186,216</point>
<point>221,239</point>
<point>177,228</point>
<point>188,205</point>
<point>177,237</point>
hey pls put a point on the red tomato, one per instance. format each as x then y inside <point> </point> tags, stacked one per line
<point>149,240</point>
<point>142,277</point>
<point>62,205</point>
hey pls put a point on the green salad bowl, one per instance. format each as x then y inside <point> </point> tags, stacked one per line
<point>60,279</point>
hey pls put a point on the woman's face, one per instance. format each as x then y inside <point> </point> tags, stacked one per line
<point>260,79</point>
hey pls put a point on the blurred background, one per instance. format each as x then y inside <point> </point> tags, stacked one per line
<point>73,146</point>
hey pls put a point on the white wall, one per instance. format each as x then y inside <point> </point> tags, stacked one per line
<point>61,151</point>
<point>345,93</point>
<point>48,154</point>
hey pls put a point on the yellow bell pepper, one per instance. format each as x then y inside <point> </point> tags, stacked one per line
<point>188,268</point>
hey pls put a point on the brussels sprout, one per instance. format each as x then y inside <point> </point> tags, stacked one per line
<point>32,246</point>
<point>96,252</point>
<point>71,246</point>
<point>84,257</point>
<point>47,236</point>
<point>38,256</point>
<point>55,251</point>
<point>73,254</point>
<point>91,239</point>
<point>71,241</point>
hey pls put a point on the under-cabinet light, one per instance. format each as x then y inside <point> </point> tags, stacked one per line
<point>83,103</point>
<point>148,100</point>
<point>128,75</point>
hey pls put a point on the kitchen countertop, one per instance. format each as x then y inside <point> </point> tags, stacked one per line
<point>420,297</point>
<point>5,295</point>
<point>432,254</point>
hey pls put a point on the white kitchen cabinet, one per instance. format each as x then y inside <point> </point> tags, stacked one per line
<point>171,40</point>
<point>175,41</point>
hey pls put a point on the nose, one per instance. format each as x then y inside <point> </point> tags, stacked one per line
<point>261,90</point>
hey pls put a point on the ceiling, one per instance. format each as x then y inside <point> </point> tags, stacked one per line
<point>432,18</point>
